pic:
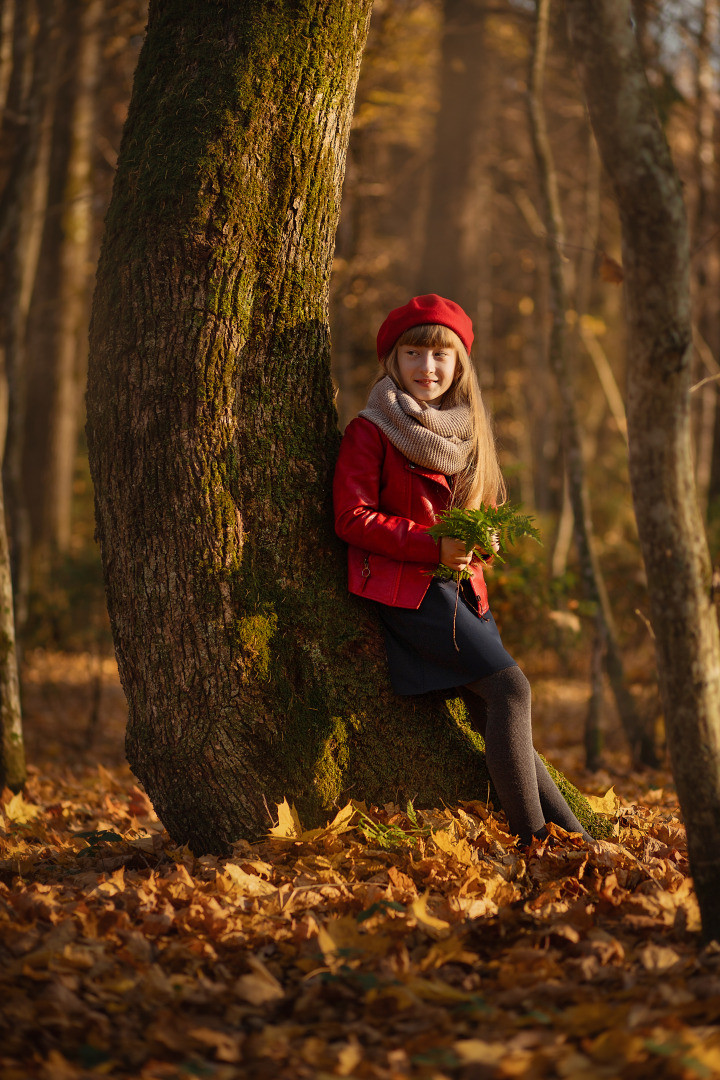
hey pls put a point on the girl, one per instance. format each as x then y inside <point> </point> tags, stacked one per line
<point>421,444</point>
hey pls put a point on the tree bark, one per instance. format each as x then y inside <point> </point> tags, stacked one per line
<point>656,261</point>
<point>250,674</point>
<point>590,572</point>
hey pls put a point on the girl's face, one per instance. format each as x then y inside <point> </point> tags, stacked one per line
<point>426,373</point>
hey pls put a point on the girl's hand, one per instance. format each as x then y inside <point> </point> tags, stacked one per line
<point>487,556</point>
<point>453,553</point>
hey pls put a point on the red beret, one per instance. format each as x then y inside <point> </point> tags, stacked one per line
<point>420,310</point>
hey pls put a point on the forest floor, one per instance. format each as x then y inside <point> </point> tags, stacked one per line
<point>377,947</point>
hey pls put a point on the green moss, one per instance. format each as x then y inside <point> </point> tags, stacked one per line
<point>253,635</point>
<point>332,762</point>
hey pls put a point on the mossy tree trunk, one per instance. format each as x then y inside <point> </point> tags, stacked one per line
<point>656,259</point>
<point>250,674</point>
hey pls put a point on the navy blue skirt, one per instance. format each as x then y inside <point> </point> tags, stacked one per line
<point>421,652</point>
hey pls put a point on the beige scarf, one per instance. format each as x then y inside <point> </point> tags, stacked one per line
<point>437,439</point>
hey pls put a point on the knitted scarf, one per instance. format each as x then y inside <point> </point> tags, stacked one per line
<point>437,439</point>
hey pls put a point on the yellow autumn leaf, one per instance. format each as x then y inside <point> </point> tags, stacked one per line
<point>446,951</point>
<point>658,958</point>
<point>426,920</point>
<point>342,939</point>
<point>459,848</point>
<point>20,811</point>
<point>436,990</point>
<point>341,822</point>
<point>479,1052</point>
<point>247,884</point>
<point>608,804</point>
<point>288,826</point>
<point>259,986</point>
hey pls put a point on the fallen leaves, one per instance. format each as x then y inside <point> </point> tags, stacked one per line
<point>317,953</point>
<point>385,945</point>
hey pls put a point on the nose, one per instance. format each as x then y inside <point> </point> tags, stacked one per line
<point>428,361</point>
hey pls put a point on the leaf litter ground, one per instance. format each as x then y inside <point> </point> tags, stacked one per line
<point>389,944</point>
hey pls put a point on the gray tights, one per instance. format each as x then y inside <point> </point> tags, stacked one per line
<point>499,708</point>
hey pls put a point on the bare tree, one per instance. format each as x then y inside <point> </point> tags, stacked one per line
<point>656,260</point>
<point>640,740</point>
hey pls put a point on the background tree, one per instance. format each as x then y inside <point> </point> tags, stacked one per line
<point>29,115</point>
<point>455,257</point>
<point>57,332</point>
<point>656,261</point>
<point>641,741</point>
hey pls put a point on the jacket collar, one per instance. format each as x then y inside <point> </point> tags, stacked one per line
<point>439,478</point>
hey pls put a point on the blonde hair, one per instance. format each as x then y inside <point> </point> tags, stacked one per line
<point>481,480</point>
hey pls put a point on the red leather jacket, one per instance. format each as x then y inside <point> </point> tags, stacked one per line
<point>384,505</point>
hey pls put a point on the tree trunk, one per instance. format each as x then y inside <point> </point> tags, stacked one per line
<point>590,572</point>
<point>12,747</point>
<point>7,18</point>
<point>704,266</point>
<point>655,256</point>
<point>58,324</point>
<point>250,674</point>
<point>456,256</point>
<point>24,201</point>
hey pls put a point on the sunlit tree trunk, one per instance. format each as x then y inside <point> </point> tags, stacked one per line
<point>455,261</point>
<point>591,574</point>
<point>705,266</point>
<point>656,261</point>
<point>249,673</point>
<point>12,747</point>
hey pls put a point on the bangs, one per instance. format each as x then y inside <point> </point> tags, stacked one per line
<point>430,336</point>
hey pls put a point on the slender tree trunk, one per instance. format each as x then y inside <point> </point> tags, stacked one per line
<point>456,255</point>
<point>7,18</point>
<point>12,747</point>
<point>591,574</point>
<point>593,736</point>
<point>58,324</point>
<point>30,100</point>
<point>249,673</point>
<point>704,266</point>
<point>656,261</point>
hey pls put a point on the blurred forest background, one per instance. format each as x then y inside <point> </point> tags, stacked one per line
<point>441,194</point>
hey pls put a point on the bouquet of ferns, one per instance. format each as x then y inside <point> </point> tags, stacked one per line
<point>488,529</point>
